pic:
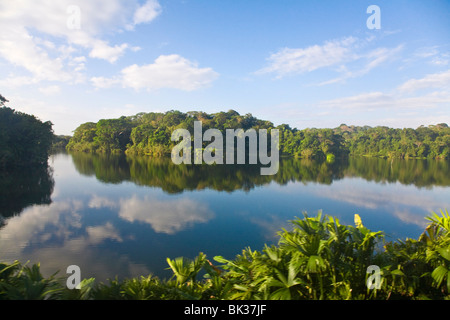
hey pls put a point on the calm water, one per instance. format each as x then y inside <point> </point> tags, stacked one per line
<point>113,215</point>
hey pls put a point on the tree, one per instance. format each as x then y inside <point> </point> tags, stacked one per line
<point>24,139</point>
<point>149,133</point>
<point>2,100</point>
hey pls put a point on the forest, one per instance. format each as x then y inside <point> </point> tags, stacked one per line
<point>24,139</point>
<point>150,134</point>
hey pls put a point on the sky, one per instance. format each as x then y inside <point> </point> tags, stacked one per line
<point>303,63</point>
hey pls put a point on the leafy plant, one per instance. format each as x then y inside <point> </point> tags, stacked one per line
<point>27,283</point>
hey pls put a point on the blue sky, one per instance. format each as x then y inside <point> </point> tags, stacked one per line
<point>304,63</point>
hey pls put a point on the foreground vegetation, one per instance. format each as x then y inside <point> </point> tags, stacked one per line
<point>150,134</point>
<point>319,258</point>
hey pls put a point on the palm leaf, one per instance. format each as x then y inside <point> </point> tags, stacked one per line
<point>315,264</point>
<point>439,274</point>
<point>445,252</point>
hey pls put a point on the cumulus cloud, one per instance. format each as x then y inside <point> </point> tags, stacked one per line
<point>20,49</point>
<point>43,36</point>
<point>147,12</point>
<point>102,50</point>
<point>167,71</point>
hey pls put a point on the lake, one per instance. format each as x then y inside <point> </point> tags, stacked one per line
<point>123,216</point>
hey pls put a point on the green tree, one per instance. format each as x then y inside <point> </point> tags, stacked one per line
<point>24,139</point>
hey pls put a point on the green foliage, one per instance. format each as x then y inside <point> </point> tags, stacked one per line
<point>318,258</point>
<point>2,100</point>
<point>24,140</point>
<point>186,270</point>
<point>431,142</point>
<point>438,250</point>
<point>83,138</point>
<point>27,283</point>
<point>60,142</point>
<point>150,134</point>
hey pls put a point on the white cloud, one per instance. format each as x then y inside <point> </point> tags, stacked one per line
<point>380,55</point>
<point>432,55</point>
<point>37,35</point>
<point>425,52</point>
<point>12,81</point>
<point>364,100</point>
<point>103,83</point>
<point>435,80</point>
<point>19,48</point>
<point>289,61</point>
<point>442,60</point>
<point>335,54</point>
<point>379,100</point>
<point>78,63</point>
<point>400,97</point>
<point>102,50</point>
<point>168,71</point>
<point>146,13</point>
<point>372,59</point>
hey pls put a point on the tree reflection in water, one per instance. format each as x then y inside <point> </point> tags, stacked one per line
<point>24,187</point>
<point>162,173</point>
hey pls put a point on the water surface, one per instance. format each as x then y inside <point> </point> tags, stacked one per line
<point>123,216</point>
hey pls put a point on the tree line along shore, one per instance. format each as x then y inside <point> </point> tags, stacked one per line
<point>25,140</point>
<point>150,134</point>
